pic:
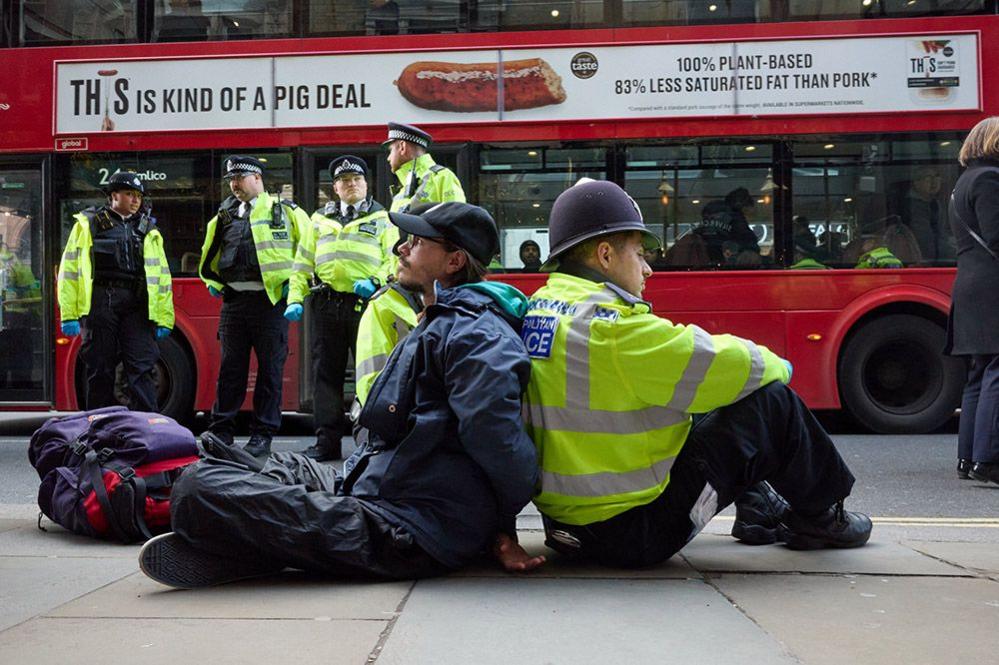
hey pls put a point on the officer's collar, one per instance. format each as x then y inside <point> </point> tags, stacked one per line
<point>359,207</point>
<point>586,272</point>
<point>421,163</point>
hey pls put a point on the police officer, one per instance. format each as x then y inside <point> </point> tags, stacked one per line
<point>115,286</point>
<point>627,478</point>
<point>421,179</point>
<point>247,258</point>
<point>349,252</point>
<point>390,316</point>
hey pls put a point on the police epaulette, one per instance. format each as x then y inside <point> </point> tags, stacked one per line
<point>290,204</point>
<point>629,298</point>
<point>380,291</point>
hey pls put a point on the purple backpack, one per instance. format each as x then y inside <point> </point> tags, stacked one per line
<point>107,473</point>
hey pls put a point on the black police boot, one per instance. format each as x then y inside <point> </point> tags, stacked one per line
<point>259,445</point>
<point>323,451</point>
<point>986,472</point>
<point>963,467</point>
<point>758,514</point>
<point>834,528</point>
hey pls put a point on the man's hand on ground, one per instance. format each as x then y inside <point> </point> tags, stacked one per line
<point>513,557</point>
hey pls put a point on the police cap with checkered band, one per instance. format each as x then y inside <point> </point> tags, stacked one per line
<point>348,165</point>
<point>415,135</point>
<point>124,180</point>
<point>241,165</point>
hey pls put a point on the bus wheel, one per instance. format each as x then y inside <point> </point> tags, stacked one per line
<point>893,378</point>
<point>174,377</point>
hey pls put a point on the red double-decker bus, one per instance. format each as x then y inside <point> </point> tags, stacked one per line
<point>794,155</point>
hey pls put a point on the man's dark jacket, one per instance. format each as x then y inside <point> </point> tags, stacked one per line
<point>446,455</point>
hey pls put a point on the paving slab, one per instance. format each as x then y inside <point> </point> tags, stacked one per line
<point>831,620</point>
<point>558,566</point>
<point>8,524</point>
<point>27,539</point>
<point>48,641</point>
<point>982,558</point>
<point>290,595</point>
<point>533,621</point>
<point>33,585</point>
<point>723,554</point>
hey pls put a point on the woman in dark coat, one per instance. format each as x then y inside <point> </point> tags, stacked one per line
<point>973,330</point>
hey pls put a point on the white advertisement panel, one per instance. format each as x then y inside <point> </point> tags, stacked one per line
<point>759,78</point>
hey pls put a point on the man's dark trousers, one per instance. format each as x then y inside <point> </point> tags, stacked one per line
<point>768,435</point>
<point>249,321</point>
<point>118,329</point>
<point>289,512</point>
<point>335,319</point>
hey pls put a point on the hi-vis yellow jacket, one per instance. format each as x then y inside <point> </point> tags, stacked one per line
<point>341,254</point>
<point>428,181</point>
<point>391,314</point>
<point>611,392</point>
<point>276,244</point>
<point>76,274</point>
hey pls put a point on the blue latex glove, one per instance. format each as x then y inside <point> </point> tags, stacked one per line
<point>70,328</point>
<point>215,292</point>
<point>365,287</point>
<point>293,312</point>
<point>790,369</point>
<point>162,332</point>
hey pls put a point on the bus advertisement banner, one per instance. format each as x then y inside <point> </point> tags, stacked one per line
<point>755,78</point>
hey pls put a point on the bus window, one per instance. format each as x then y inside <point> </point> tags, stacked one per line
<point>717,216</point>
<point>44,22</point>
<point>353,17</point>
<point>198,20</point>
<point>178,191</point>
<point>860,196</point>
<point>23,374</point>
<point>519,185</point>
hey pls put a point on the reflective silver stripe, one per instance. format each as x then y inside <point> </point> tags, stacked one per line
<point>152,281</point>
<point>301,266</point>
<point>361,239</point>
<point>164,288</point>
<point>326,240</point>
<point>606,482</point>
<point>274,244</point>
<point>695,372</point>
<point>72,255</point>
<point>354,256</point>
<point>152,262</point>
<point>324,257</point>
<point>306,254</point>
<point>595,421</point>
<point>401,328</point>
<point>276,265</point>
<point>262,222</point>
<point>69,275</point>
<point>577,351</point>
<point>756,369</point>
<point>373,364</point>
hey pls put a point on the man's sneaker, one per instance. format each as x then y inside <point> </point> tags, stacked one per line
<point>835,528</point>
<point>758,514</point>
<point>170,560</point>
<point>322,453</point>
<point>259,445</point>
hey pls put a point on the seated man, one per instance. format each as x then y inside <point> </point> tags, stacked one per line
<point>445,466</point>
<point>627,478</point>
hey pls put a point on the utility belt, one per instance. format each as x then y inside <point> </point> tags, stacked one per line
<point>324,290</point>
<point>134,284</point>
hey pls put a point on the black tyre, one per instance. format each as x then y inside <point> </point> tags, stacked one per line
<point>174,376</point>
<point>893,377</point>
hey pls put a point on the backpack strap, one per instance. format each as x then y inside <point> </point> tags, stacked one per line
<point>92,468</point>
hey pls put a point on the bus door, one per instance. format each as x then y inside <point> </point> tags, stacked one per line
<point>316,190</point>
<point>25,341</point>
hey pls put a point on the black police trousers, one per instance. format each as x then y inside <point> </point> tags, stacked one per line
<point>289,513</point>
<point>768,435</point>
<point>118,329</point>
<point>249,321</point>
<point>978,431</point>
<point>335,319</point>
